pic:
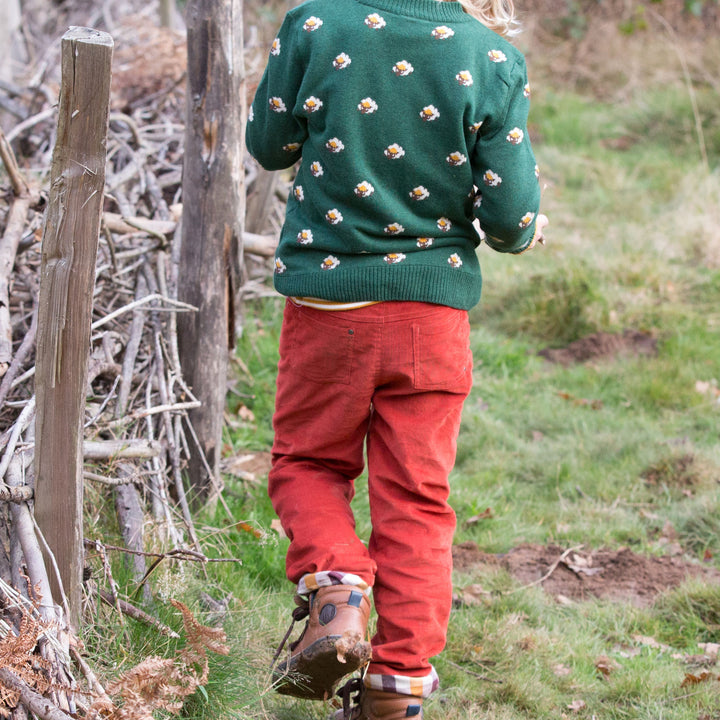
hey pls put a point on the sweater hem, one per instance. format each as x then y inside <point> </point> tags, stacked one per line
<point>453,288</point>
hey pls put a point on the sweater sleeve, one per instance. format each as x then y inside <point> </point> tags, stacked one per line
<point>505,172</point>
<point>275,134</point>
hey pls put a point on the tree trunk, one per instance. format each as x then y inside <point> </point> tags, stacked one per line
<point>67,279</point>
<point>213,207</point>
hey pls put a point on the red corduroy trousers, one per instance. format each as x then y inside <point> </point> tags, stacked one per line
<point>392,376</point>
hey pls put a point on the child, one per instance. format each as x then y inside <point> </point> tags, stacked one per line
<point>409,119</point>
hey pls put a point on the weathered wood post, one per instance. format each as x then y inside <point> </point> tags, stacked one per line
<point>67,280</point>
<point>213,207</point>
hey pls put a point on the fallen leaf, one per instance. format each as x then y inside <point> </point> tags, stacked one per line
<point>577,705</point>
<point>484,515</point>
<point>707,555</point>
<point>691,679</point>
<point>248,528</point>
<point>606,665</point>
<point>583,402</point>
<point>561,670</point>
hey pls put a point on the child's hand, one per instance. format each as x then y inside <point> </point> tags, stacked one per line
<point>541,223</point>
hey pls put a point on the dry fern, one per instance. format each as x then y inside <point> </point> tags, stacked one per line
<point>17,654</point>
<point>164,683</point>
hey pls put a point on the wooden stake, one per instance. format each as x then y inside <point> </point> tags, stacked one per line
<point>69,250</point>
<point>213,207</point>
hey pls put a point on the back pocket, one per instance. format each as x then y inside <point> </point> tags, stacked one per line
<point>441,352</point>
<point>320,350</point>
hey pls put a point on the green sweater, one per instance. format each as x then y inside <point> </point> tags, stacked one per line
<point>410,119</point>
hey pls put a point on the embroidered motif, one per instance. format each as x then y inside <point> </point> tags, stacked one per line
<point>455,260</point>
<point>444,224</point>
<point>429,113</point>
<point>497,56</point>
<point>419,193</point>
<point>298,193</point>
<point>491,179</point>
<point>375,21</point>
<point>515,136</point>
<point>316,169</point>
<point>277,105</point>
<point>393,229</point>
<point>329,263</point>
<point>305,237</point>
<point>394,258</point>
<point>424,242</point>
<point>335,145</point>
<point>464,78</point>
<point>367,106</point>
<point>393,151</point>
<point>527,218</point>
<point>275,47</point>
<point>312,24</point>
<point>312,104</point>
<point>442,32</point>
<point>291,147</point>
<point>456,158</point>
<point>475,126</point>
<point>280,266</point>
<point>402,68</point>
<point>526,90</point>
<point>364,189</point>
<point>334,216</point>
<point>341,61</point>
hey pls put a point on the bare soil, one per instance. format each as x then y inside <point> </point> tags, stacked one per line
<point>619,575</point>
<point>602,346</point>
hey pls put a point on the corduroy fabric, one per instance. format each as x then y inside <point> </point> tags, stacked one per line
<point>393,375</point>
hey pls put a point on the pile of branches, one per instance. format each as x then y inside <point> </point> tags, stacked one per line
<point>137,435</point>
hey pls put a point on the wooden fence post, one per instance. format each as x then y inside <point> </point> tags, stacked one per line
<point>67,280</point>
<point>213,208</point>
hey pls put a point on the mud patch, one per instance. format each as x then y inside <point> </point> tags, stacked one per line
<point>680,471</point>
<point>603,346</point>
<point>619,575</point>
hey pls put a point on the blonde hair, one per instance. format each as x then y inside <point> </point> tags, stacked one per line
<point>498,15</point>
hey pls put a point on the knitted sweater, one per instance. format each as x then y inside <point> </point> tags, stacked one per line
<point>409,118</point>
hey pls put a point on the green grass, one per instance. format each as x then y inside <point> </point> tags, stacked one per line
<point>602,454</point>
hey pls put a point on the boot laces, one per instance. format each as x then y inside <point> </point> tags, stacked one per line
<point>298,614</point>
<point>351,705</point>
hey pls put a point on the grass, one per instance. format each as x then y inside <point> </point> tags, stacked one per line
<point>603,454</point>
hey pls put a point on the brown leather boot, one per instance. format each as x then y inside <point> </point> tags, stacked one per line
<point>332,644</point>
<point>377,705</point>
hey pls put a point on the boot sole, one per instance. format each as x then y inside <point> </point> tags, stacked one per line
<point>314,673</point>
